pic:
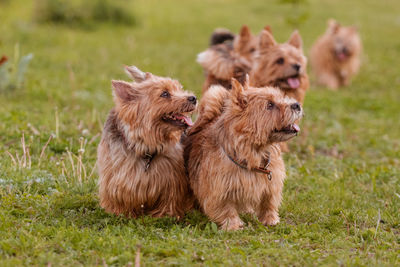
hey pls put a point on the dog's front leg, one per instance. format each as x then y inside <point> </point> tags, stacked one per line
<point>224,215</point>
<point>268,210</point>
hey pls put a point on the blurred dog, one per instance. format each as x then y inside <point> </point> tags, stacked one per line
<point>281,65</point>
<point>140,158</point>
<point>232,152</point>
<point>335,56</point>
<point>228,56</point>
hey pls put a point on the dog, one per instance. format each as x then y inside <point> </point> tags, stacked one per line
<point>228,56</point>
<point>281,65</point>
<point>140,157</point>
<point>232,152</point>
<point>335,56</point>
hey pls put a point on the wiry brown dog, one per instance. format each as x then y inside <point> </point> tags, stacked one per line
<point>140,156</point>
<point>233,155</point>
<point>335,56</point>
<point>228,56</point>
<point>281,65</point>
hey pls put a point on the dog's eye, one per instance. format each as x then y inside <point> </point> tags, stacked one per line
<point>252,50</point>
<point>165,94</point>
<point>270,105</point>
<point>280,61</point>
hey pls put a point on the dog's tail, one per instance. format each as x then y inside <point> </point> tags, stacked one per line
<point>220,36</point>
<point>210,107</point>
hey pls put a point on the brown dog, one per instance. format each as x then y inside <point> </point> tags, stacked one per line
<point>232,153</point>
<point>228,56</point>
<point>335,56</point>
<point>140,156</point>
<point>281,65</point>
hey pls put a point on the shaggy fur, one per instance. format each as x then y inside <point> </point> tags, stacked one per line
<point>140,158</point>
<point>227,57</point>
<point>247,125</point>
<point>281,65</point>
<point>335,56</point>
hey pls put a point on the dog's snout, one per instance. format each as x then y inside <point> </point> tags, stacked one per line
<point>296,66</point>
<point>296,107</point>
<point>192,99</point>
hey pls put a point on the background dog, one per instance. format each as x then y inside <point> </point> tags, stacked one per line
<point>335,56</point>
<point>232,153</point>
<point>140,158</point>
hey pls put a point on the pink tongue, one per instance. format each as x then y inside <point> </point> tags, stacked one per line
<point>341,56</point>
<point>294,83</point>
<point>296,127</point>
<point>188,120</point>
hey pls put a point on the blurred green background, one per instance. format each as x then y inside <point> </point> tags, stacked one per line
<point>341,199</point>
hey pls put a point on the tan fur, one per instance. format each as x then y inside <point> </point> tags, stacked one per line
<point>228,60</point>
<point>242,123</point>
<point>335,56</point>
<point>137,127</point>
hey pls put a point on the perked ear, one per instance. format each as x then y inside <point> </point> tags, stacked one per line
<point>243,38</point>
<point>268,29</point>
<point>295,40</point>
<point>266,40</point>
<point>333,26</point>
<point>237,95</point>
<point>123,91</point>
<point>136,74</point>
<point>245,33</point>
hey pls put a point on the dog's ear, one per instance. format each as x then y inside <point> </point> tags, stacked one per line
<point>295,40</point>
<point>268,28</point>
<point>333,26</point>
<point>123,91</point>
<point>245,33</point>
<point>266,40</point>
<point>136,74</point>
<point>243,38</point>
<point>237,95</point>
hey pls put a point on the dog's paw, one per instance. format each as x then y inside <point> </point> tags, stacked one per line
<point>271,219</point>
<point>232,224</point>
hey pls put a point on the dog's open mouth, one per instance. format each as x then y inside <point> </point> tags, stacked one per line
<point>342,56</point>
<point>292,82</point>
<point>179,119</point>
<point>290,129</point>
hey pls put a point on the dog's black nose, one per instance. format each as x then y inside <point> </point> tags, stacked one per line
<point>296,66</point>
<point>192,99</point>
<point>295,107</point>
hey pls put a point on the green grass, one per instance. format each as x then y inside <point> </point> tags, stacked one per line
<point>343,172</point>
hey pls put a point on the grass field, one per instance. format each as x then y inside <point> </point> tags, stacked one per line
<point>342,195</point>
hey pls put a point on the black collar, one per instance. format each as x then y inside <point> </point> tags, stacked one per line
<point>262,169</point>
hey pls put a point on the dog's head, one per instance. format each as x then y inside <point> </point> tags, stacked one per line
<point>281,65</point>
<point>153,103</point>
<point>345,41</point>
<point>262,116</point>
